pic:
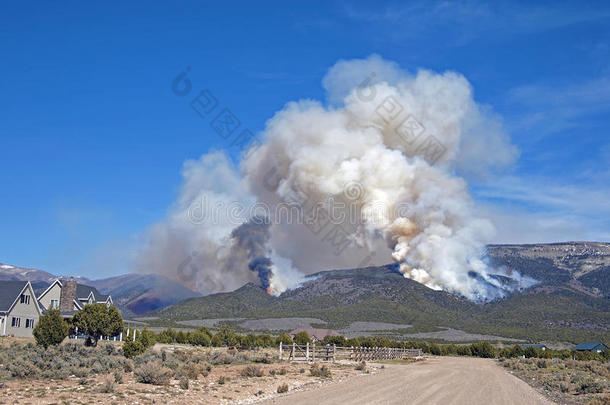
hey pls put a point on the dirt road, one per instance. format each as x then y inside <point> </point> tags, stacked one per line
<point>442,380</point>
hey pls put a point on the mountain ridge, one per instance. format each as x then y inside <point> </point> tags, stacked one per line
<point>570,302</point>
<point>133,294</point>
<point>564,305</point>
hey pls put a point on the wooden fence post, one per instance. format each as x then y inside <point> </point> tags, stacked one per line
<point>334,351</point>
<point>313,353</point>
<point>307,351</point>
<point>281,351</point>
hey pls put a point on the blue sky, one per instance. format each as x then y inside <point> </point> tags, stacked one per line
<point>92,138</point>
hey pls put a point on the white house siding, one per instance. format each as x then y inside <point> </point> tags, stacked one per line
<point>23,311</point>
<point>53,293</point>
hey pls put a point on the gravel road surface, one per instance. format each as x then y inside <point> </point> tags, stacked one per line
<point>439,380</point>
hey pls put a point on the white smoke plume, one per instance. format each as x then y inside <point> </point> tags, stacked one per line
<point>393,147</point>
<point>203,244</point>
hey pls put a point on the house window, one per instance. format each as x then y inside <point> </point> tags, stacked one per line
<point>29,323</point>
<point>15,322</point>
<point>25,299</point>
<point>54,303</point>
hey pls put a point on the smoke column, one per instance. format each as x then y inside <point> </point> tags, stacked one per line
<point>368,146</point>
<point>250,243</point>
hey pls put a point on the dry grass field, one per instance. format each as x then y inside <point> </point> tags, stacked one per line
<point>73,373</point>
<point>565,381</point>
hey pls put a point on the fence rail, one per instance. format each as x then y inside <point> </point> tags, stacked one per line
<point>311,353</point>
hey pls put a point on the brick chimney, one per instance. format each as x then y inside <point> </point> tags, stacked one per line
<point>68,294</point>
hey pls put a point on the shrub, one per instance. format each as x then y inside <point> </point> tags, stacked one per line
<point>198,338</point>
<point>21,368</point>
<point>316,371</point>
<point>226,336</point>
<point>153,373</point>
<point>97,320</point>
<point>483,349</point>
<point>302,338</point>
<point>282,389</point>
<point>590,386</point>
<point>284,338</point>
<point>434,349</point>
<point>464,351</point>
<point>266,359</point>
<point>251,371</point>
<point>190,370</point>
<point>167,336</point>
<point>181,337</point>
<point>598,401</point>
<point>334,340</point>
<point>282,371</point>
<point>146,338</point>
<point>222,358</point>
<point>216,341</point>
<point>118,377</point>
<point>51,329</point>
<point>531,352</point>
<point>128,365</point>
<point>249,340</point>
<point>107,386</point>
<point>265,341</point>
<point>449,349</point>
<point>222,379</point>
<point>132,349</point>
<point>109,348</point>
<point>184,383</point>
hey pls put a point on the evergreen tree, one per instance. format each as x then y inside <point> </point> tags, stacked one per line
<point>51,329</point>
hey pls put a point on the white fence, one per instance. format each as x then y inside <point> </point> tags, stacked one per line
<point>313,352</point>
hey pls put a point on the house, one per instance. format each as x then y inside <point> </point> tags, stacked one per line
<point>541,347</point>
<point>70,296</point>
<point>316,335</point>
<point>596,347</point>
<point>19,309</point>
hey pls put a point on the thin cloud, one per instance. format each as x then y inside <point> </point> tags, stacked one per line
<point>552,108</point>
<point>468,21</point>
<point>553,211</point>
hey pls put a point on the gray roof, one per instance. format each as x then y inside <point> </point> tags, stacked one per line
<point>590,346</point>
<point>83,291</point>
<point>9,290</point>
